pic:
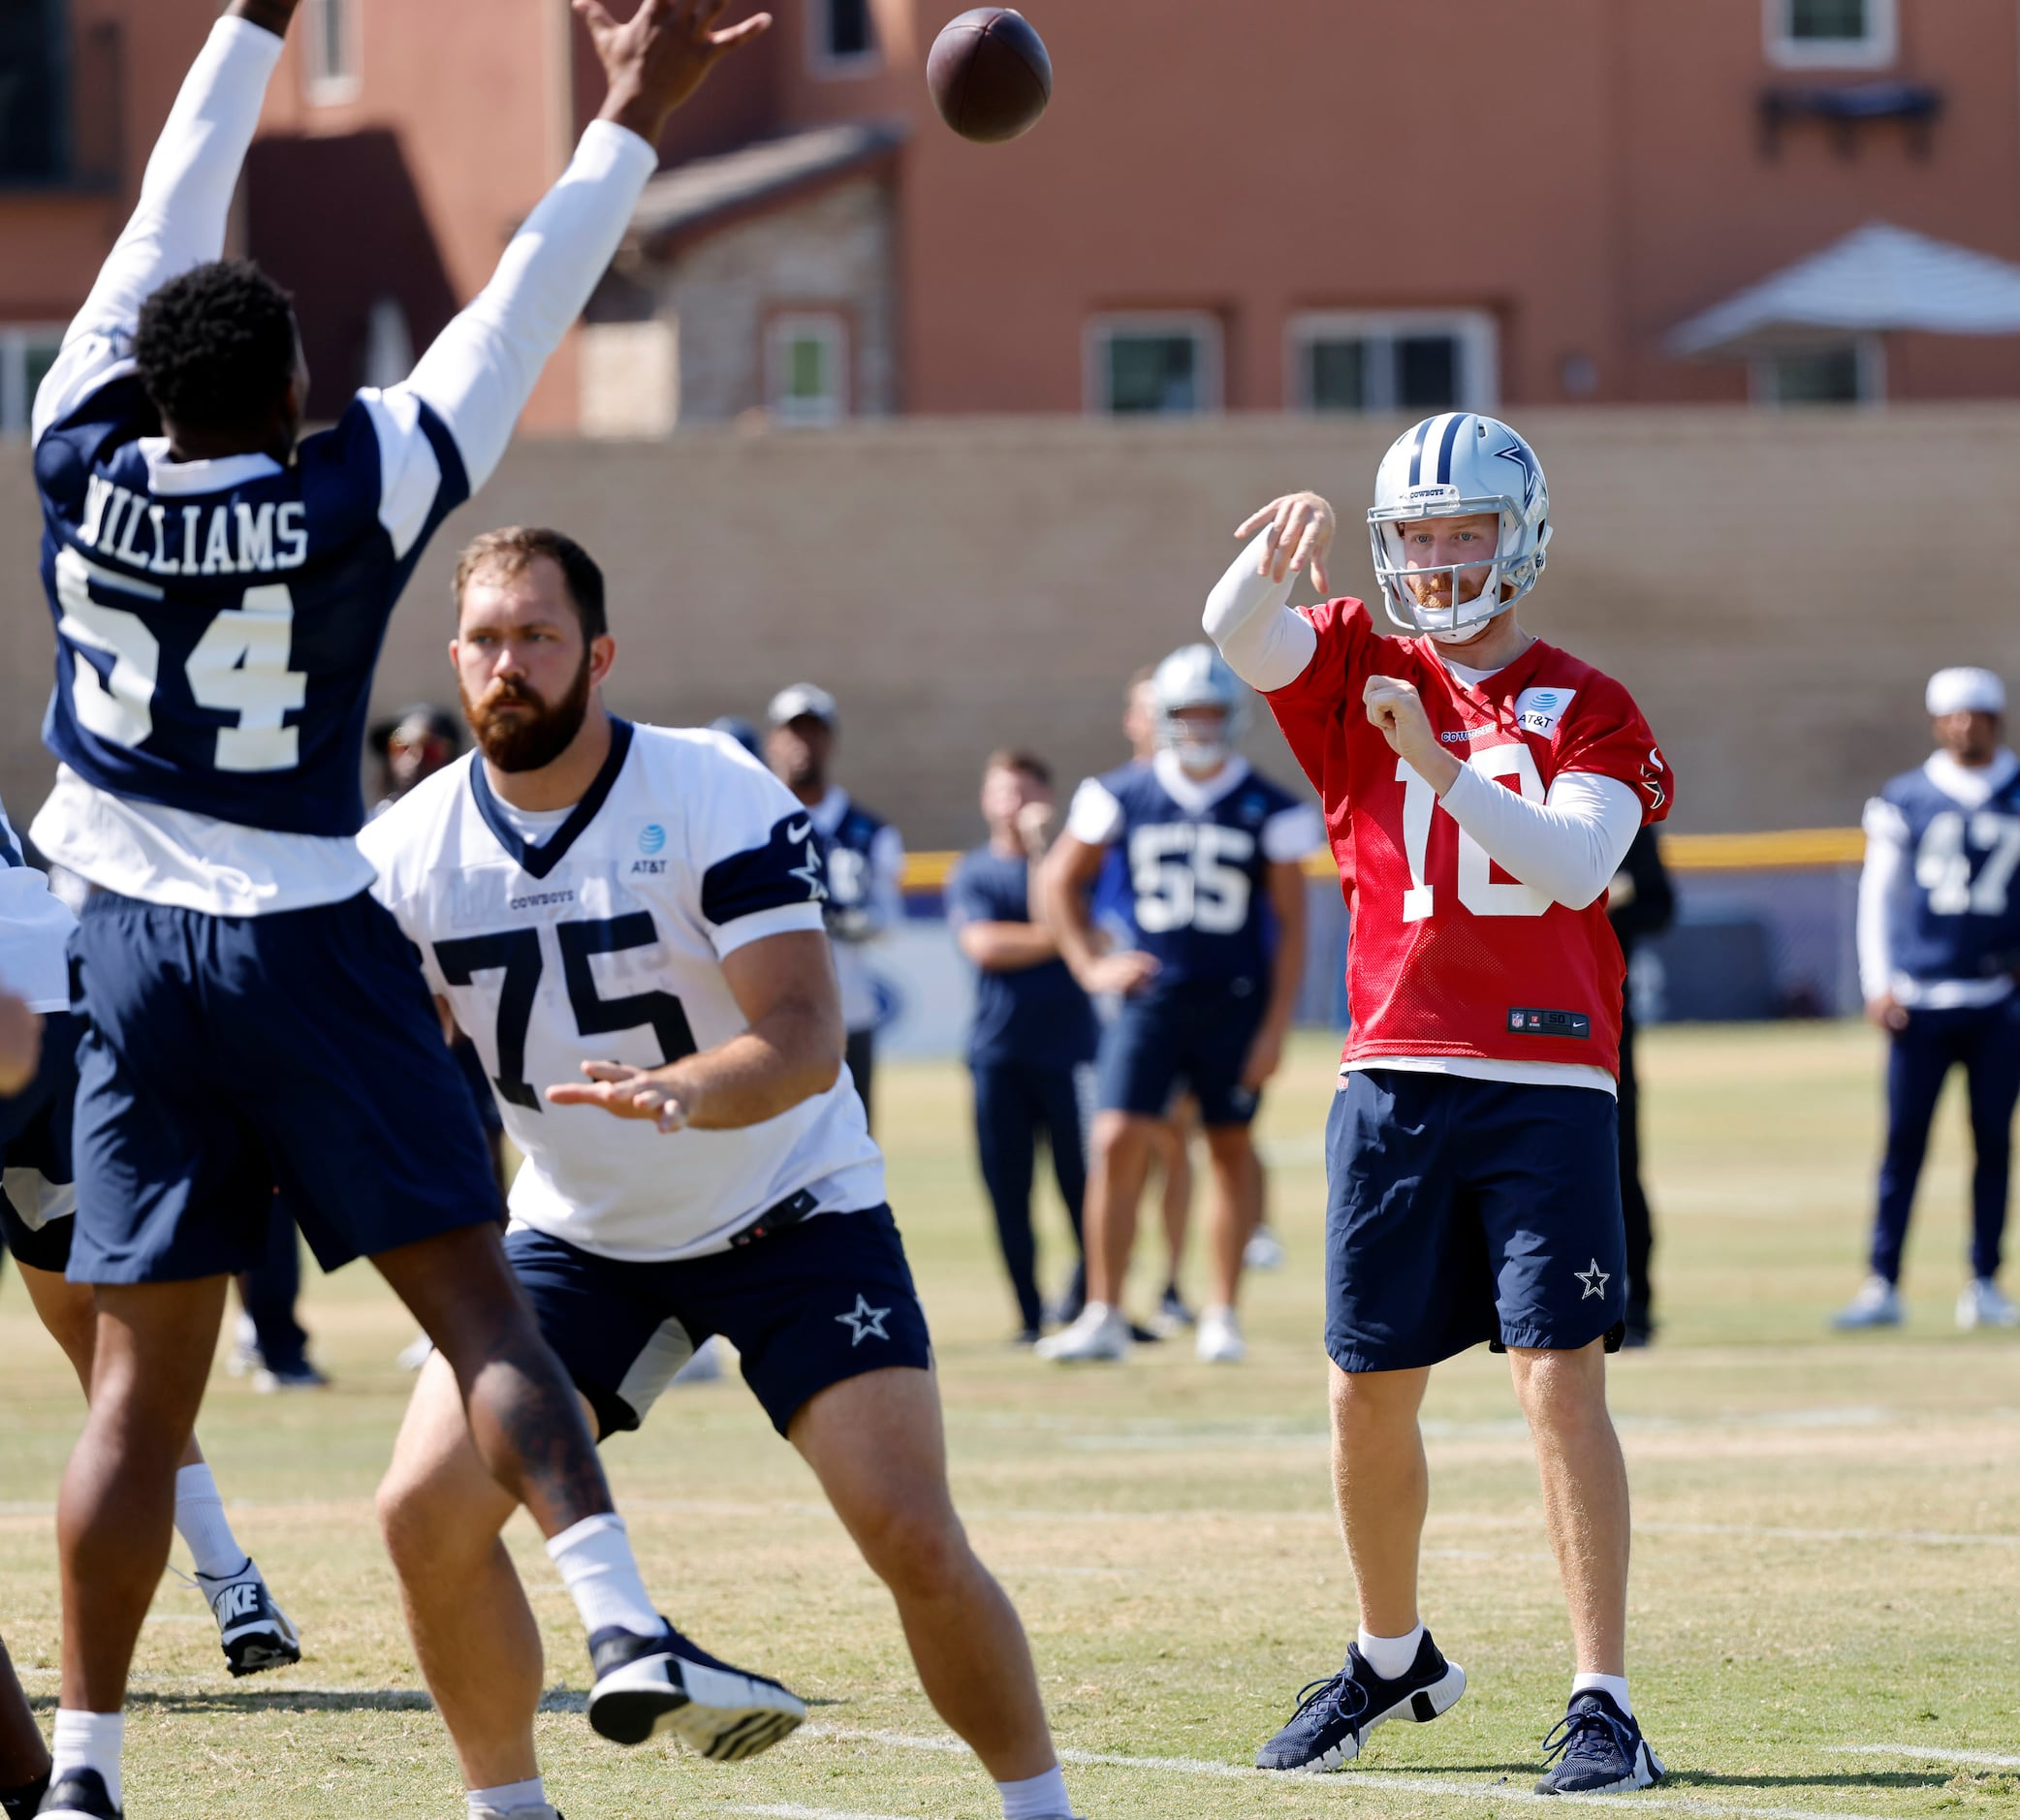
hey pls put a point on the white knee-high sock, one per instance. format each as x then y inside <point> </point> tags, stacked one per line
<point>200,1523</point>
<point>90,1740</point>
<point>595,1559</point>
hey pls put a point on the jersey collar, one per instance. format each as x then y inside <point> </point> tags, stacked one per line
<point>1189,793</point>
<point>538,861</point>
<point>168,479</point>
<point>1972,786</point>
<point>827,812</point>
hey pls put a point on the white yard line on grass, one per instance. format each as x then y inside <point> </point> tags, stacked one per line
<point>1348,1782</point>
<point>1929,1753</point>
<point>791,1810</point>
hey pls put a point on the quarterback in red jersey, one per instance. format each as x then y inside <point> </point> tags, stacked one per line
<point>1481,788</point>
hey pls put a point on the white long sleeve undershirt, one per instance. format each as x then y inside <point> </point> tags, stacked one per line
<point>1246,615</point>
<point>1568,846</point>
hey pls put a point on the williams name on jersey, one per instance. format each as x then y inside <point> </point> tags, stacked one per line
<point>599,933</point>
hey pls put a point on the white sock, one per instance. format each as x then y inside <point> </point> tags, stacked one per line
<point>1041,1798</point>
<point>594,1556</point>
<point>90,1740</point>
<point>1391,1657</point>
<point>506,1796</point>
<point>1613,1685</point>
<point>200,1520</point>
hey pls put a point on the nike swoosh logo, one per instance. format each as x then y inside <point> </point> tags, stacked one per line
<point>801,832</point>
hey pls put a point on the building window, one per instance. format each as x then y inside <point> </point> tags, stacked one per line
<point>1831,34</point>
<point>842,35</point>
<point>807,368</point>
<point>1164,365</point>
<point>1412,360</point>
<point>1849,372</point>
<point>32,83</point>
<point>26,355</point>
<point>330,50</point>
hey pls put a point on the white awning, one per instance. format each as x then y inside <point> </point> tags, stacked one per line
<point>1877,278</point>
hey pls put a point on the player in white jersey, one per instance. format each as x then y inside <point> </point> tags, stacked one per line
<point>627,920</point>
<point>36,1217</point>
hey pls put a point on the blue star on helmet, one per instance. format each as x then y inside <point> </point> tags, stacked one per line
<point>1518,452</point>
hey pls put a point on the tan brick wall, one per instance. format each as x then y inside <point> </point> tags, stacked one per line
<point>1774,588</point>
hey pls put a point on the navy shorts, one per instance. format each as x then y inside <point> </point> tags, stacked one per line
<point>229,1057</point>
<point>1196,1035</point>
<point>806,1306</point>
<point>1462,1211</point>
<point>35,1135</point>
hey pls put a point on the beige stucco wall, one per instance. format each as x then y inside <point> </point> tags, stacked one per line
<point>1774,588</point>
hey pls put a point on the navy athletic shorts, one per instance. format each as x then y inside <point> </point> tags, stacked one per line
<point>228,1056</point>
<point>1462,1211</point>
<point>35,1134</point>
<point>1198,1035</point>
<point>806,1306</point>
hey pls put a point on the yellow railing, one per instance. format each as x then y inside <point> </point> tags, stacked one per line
<point>1778,850</point>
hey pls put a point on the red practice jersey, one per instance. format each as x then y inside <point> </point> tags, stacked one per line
<point>1451,955</point>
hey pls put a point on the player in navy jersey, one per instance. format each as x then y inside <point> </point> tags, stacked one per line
<point>1031,1044</point>
<point>1217,913</point>
<point>865,857</point>
<point>220,590</point>
<point>1938,946</point>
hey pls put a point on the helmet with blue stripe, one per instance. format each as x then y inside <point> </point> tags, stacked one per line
<point>1457,465</point>
<point>1196,677</point>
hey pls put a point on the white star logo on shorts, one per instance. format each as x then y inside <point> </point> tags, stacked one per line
<point>1594,1280</point>
<point>865,1322</point>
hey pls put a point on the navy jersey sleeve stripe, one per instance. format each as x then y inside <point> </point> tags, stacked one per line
<point>786,870</point>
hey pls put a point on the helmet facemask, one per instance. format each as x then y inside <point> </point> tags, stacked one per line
<point>1198,750</point>
<point>1509,576</point>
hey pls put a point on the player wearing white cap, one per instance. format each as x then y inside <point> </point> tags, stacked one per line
<point>1938,931</point>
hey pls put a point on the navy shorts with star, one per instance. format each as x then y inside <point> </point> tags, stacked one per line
<point>808,1306</point>
<point>1462,1211</point>
<point>1198,1034</point>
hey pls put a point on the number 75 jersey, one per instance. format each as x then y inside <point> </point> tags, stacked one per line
<point>1454,965</point>
<point>600,935</point>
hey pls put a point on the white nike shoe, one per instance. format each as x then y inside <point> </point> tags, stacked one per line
<point>1876,1304</point>
<point>253,1631</point>
<point>1100,1334</point>
<point>1219,1341</point>
<point>1982,1305</point>
<point>244,1360</point>
<point>1264,1251</point>
<point>542,1810</point>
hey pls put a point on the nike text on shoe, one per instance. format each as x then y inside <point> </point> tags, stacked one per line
<point>1597,1749</point>
<point>1335,1716</point>
<point>254,1631</point>
<point>647,1684</point>
<point>80,1795</point>
<point>1100,1334</point>
<point>1876,1304</point>
<point>1982,1305</point>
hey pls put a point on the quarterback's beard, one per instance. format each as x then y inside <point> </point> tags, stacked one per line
<point>526,743</point>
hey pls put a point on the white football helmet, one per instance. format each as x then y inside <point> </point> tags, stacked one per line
<point>1452,466</point>
<point>1197,676</point>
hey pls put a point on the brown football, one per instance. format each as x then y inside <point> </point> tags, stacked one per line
<point>989,75</point>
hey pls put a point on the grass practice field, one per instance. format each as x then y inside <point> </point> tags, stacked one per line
<point>1826,1599</point>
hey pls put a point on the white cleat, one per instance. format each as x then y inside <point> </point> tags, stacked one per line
<point>543,1811</point>
<point>1220,1340</point>
<point>1100,1334</point>
<point>1876,1304</point>
<point>1264,1251</point>
<point>1982,1305</point>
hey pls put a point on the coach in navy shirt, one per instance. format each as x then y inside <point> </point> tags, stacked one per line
<point>1033,1038</point>
<point>1939,948</point>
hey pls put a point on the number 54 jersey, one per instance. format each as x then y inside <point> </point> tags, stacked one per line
<point>598,933</point>
<point>1454,965</point>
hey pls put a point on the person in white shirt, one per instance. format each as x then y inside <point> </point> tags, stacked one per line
<point>628,922</point>
<point>1939,936</point>
<point>865,857</point>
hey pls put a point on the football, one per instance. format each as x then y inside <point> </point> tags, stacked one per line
<point>989,75</point>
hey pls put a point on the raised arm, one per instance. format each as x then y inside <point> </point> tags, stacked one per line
<point>185,197</point>
<point>482,368</point>
<point>1247,614</point>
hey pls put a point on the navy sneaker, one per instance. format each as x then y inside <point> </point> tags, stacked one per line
<point>1335,1716</point>
<point>646,1684</point>
<point>80,1795</point>
<point>253,1632</point>
<point>1597,1749</point>
<point>22,1803</point>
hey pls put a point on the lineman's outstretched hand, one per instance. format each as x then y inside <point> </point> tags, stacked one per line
<point>660,55</point>
<point>626,1093</point>
<point>1396,708</point>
